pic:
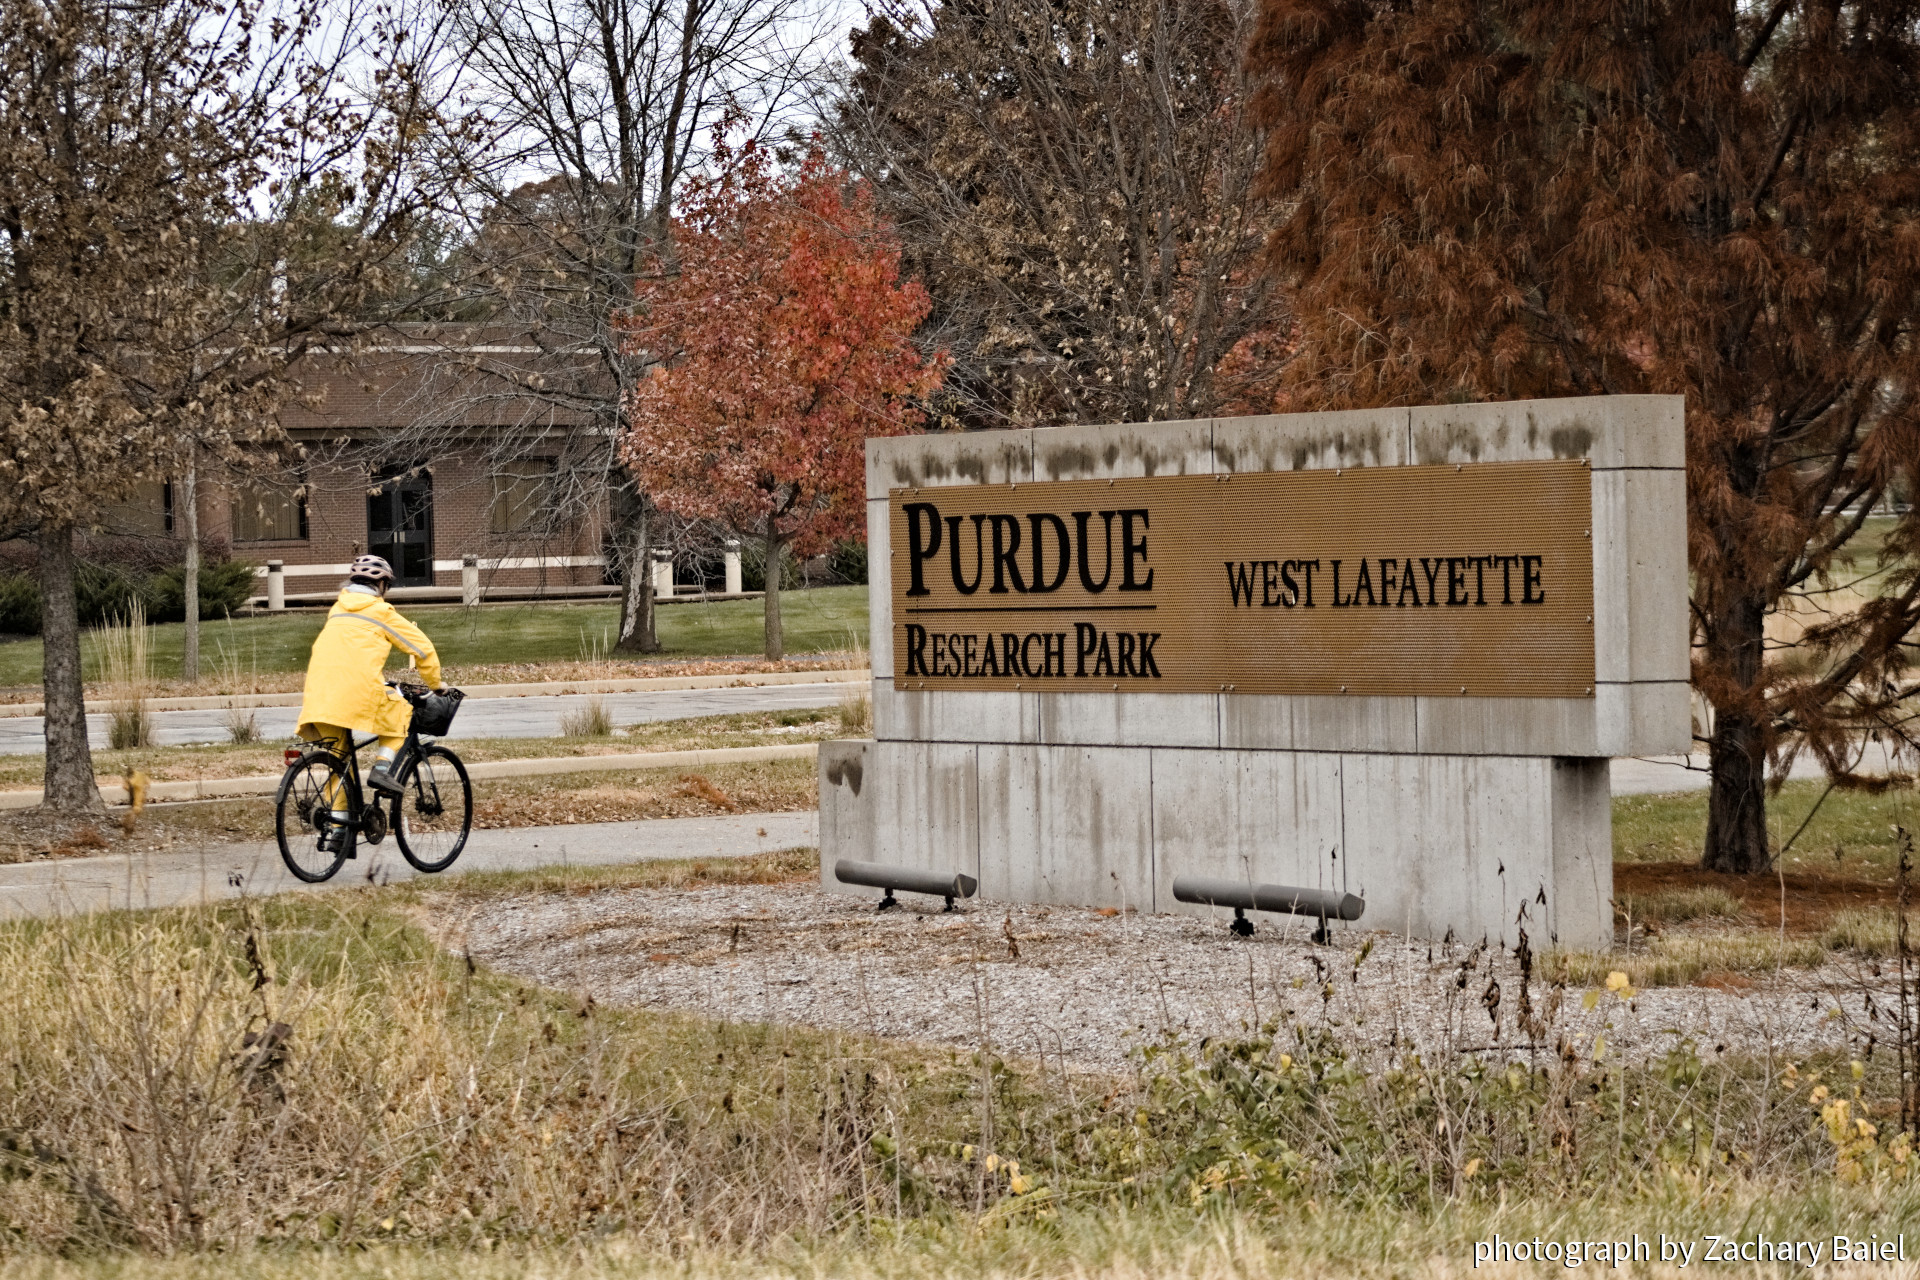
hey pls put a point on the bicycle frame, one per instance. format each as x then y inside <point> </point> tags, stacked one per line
<point>356,796</point>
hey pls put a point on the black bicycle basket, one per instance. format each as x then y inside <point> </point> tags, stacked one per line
<point>433,710</point>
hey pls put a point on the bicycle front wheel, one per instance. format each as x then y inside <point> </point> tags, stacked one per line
<point>432,819</point>
<point>313,786</point>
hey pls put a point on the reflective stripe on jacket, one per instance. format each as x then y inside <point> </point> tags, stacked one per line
<point>343,675</point>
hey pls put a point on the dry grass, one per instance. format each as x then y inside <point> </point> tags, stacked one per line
<point>770,786</point>
<point>125,668</point>
<point>856,700</point>
<point>315,1071</point>
<point>789,866</point>
<point>1678,960</point>
<point>1871,932</point>
<point>591,719</point>
<point>1809,899</point>
<point>242,677</point>
<point>1097,1244</point>
<point>242,725</point>
<point>1676,906</point>
<point>307,1086</point>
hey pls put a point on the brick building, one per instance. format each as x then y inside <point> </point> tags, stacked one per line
<point>410,454</point>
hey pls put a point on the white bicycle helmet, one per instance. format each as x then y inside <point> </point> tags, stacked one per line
<point>372,568</point>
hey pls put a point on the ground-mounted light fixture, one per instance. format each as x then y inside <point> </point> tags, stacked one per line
<point>877,875</point>
<point>1327,904</point>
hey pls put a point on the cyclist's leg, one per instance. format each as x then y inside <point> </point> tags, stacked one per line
<point>380,776</point>
<point>340,742</point>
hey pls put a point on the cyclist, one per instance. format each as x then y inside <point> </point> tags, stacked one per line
<point>344,691</point>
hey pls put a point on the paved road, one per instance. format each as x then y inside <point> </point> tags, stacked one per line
<point>532,717</point>
<point>222,872</point>
<point>1674,773</point>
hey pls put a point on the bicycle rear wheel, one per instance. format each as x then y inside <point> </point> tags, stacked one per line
<point>301,815</point>
<point>431,821</point>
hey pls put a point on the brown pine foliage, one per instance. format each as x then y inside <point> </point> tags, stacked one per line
<point>1519,198</point>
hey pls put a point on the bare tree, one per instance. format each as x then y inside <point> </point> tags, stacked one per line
<point>602,107</point>
<point>146,304</point>
<point>1071,179</point>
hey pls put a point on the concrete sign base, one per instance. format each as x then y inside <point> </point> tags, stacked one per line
<point>1479,846</point>
<point>1472,815</point>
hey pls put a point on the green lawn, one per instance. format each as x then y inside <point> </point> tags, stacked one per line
<point>1852,833</point>
<point>820,620</point>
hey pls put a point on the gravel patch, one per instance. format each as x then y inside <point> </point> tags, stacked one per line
<point>1084,989</point>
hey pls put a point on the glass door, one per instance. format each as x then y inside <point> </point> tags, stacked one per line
<point>400,523</point>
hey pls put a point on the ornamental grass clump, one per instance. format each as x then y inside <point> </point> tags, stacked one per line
<point>125,667</point>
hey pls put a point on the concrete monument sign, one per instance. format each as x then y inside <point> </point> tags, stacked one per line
<point>1387,653</point>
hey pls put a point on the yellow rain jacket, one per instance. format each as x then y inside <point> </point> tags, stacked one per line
<point>343,675</point>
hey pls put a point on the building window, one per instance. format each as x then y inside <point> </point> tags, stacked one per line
<point>264,512</point>
<point>521,493</point>
<point>147,512</point>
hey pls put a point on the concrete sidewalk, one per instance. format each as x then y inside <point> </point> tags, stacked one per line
<point>220,873</point>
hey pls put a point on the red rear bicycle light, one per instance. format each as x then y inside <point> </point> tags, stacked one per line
<point>292,755</point>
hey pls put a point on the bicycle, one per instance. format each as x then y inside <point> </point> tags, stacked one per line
<point>430,819</point>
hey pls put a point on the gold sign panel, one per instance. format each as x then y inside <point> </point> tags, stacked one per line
<point>1438,581</point>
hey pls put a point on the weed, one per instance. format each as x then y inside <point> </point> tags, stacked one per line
<point>595,646</point>
<point>590,719</point>
<point>242,725</point>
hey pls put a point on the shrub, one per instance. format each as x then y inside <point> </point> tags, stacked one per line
<point>847,562</point>
<point>107,591</point>
<point>19,605</point>
<point>225,587</point>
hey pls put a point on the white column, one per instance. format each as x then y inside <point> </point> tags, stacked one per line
<point>663,573</point>
<point>470,581</point>
<point>733,566</point>
<point>276,585</point>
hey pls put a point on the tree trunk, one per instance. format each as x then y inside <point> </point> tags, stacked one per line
<point>1737,803</point>
<point>190,583</point>
<point>776,643</point>
<point>628,512</point>
<point>70,787</point>
<point>1737,751</point>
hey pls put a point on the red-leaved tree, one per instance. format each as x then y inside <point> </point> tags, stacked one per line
<point>783,337</point>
